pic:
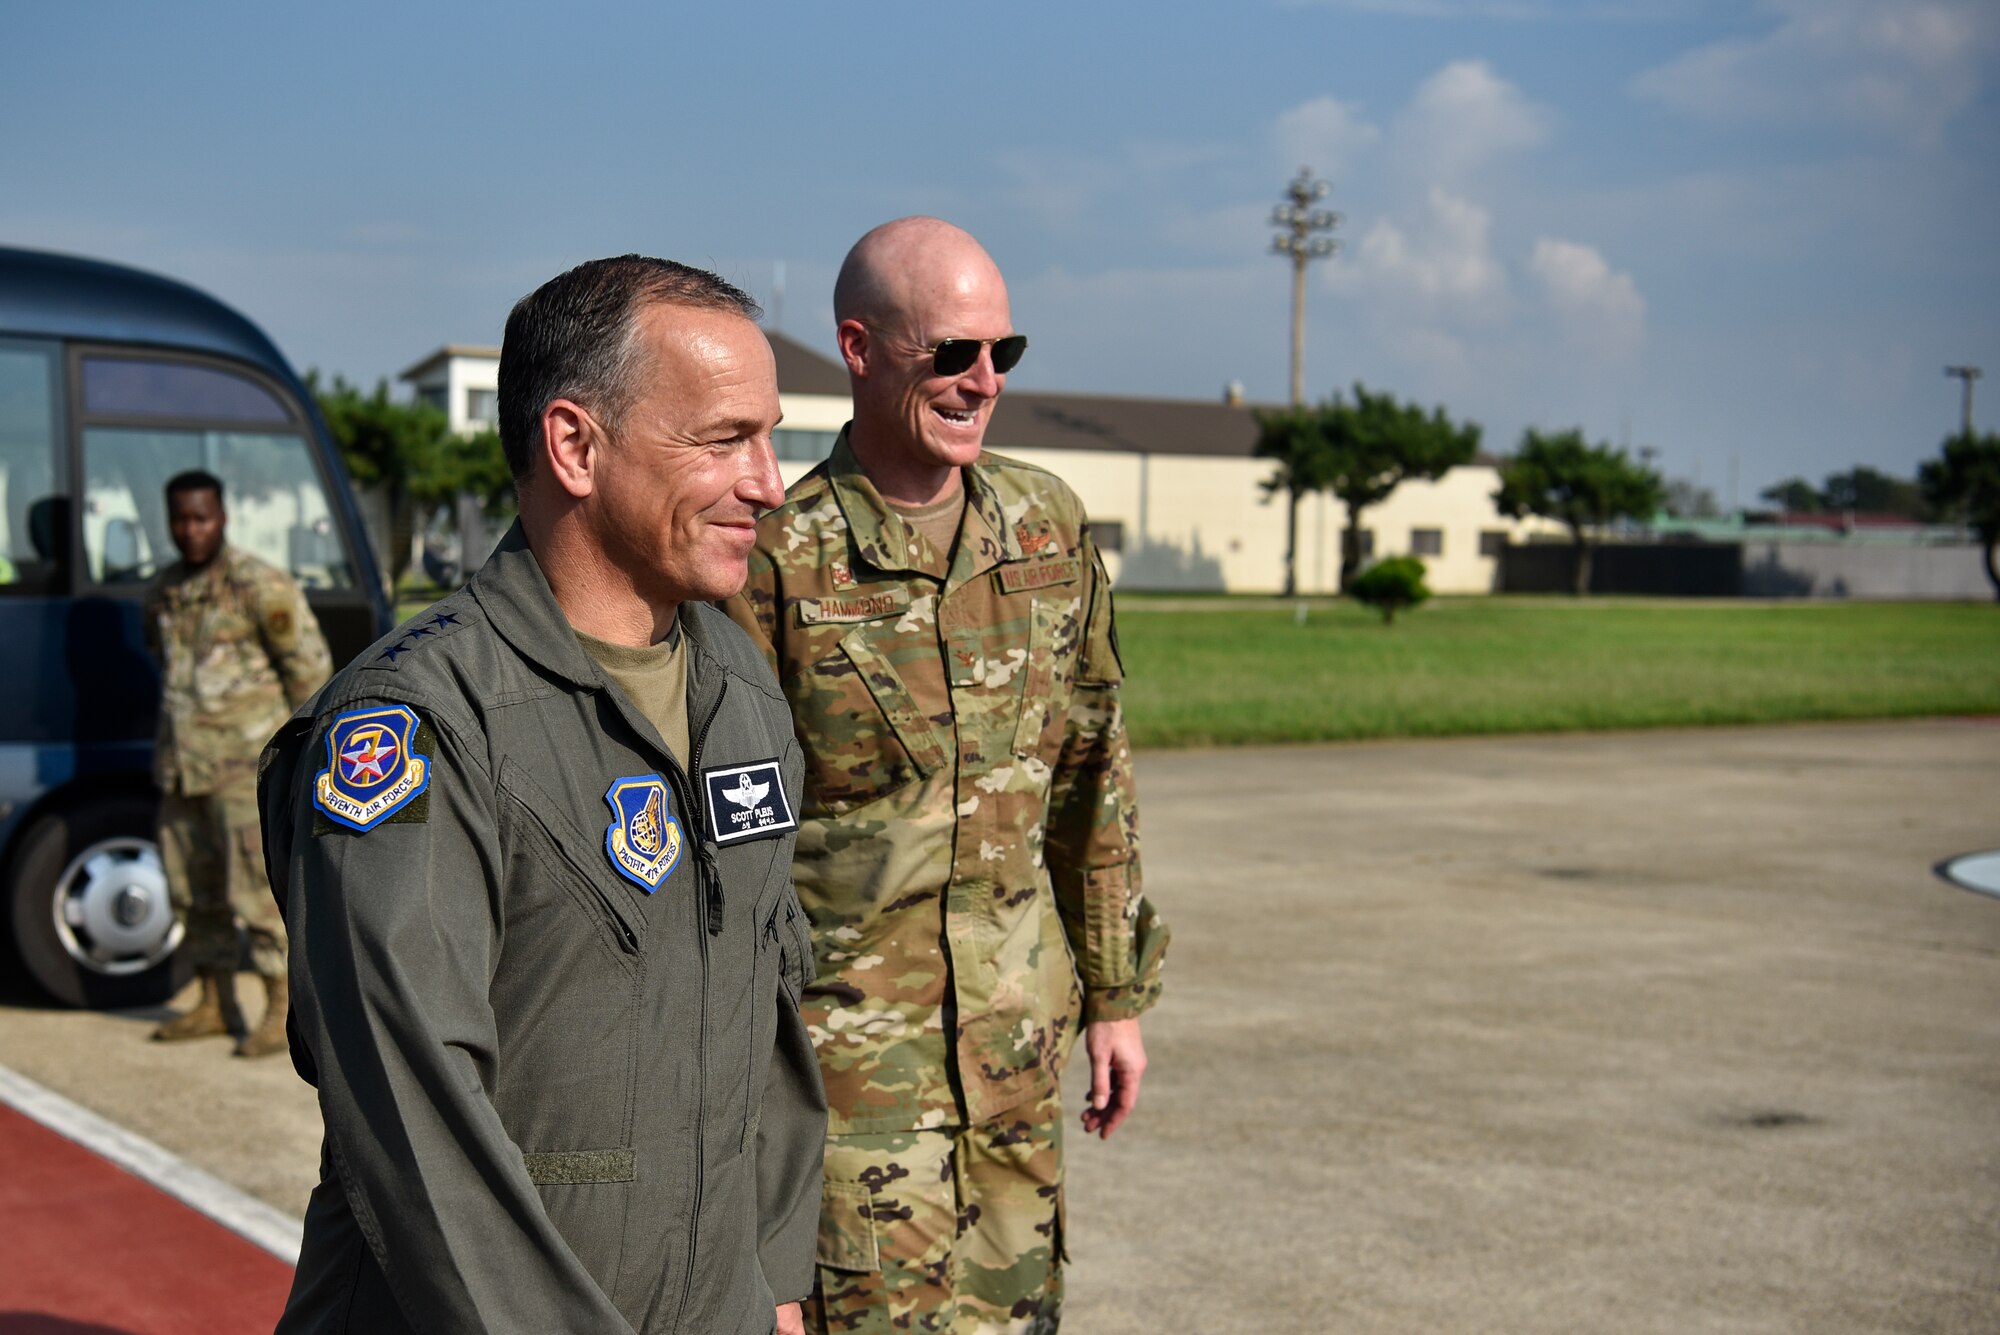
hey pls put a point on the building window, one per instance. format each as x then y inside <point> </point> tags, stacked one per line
<point>1109,534</point>
<point>808,447</point>
<point>435,396</point>
<point>1367,544</point>
<point>482,406</point>
<point>1427,542</point>
<point>1492,541</point>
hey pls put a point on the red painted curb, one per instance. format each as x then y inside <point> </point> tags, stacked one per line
<point>88,1249</point>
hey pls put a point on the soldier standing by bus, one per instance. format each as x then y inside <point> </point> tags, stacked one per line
<point>238,650</point>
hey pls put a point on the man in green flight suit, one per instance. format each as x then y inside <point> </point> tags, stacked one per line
<point>238,650</point>
<point>536,853</point>
<point>968,849</point>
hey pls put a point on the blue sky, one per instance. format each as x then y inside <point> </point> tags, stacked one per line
<point>1747,235</point>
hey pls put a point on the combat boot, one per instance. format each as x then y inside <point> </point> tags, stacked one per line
<point>208,1017</point>
<point>269,1035</point>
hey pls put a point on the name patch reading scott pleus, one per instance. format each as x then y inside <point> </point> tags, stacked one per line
<point>748,802</point>
<point>854,606</point>
<point>1038,574</point>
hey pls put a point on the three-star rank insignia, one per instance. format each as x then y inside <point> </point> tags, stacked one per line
<point>373,768</point>
<point>644,842</point>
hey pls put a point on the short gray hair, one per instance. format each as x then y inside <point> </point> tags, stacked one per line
<point>576,337</point>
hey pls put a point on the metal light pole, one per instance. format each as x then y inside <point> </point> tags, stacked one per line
<point>1300,220</point>
<point>1968,374</point>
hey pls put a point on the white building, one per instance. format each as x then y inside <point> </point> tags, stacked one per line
<point>1173,490</point>
<point>462,381</point>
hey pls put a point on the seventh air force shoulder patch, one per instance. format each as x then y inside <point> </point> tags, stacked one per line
<point>748,802</point>
<point>373,768</point>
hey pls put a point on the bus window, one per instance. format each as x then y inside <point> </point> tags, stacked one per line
<point>148,418</point>
<point>30,516</point>
<point>277,507</point>
<point>129,387</point>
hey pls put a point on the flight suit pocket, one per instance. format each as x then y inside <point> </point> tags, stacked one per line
<point>766,982</point>
<point>560,849</point>
<point>846,1232</point>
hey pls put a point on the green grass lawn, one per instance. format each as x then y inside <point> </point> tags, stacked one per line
<point>1223,672</point>
<point>1234,675</point>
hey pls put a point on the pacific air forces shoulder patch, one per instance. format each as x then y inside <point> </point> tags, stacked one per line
<point>373,767</point>
<point>644,842</point>
<point>748,802</point>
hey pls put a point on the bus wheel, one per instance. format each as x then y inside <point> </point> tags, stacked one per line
<point>92,921</point>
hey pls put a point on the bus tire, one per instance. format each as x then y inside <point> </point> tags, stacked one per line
<point>90,918</point>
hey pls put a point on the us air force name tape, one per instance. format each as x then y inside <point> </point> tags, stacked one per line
<point>748,802</point>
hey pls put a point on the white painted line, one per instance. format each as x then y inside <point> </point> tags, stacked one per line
<point>1978,872</point>
<point>269,1227</point>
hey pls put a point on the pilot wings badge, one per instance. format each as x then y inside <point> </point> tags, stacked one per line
<point>373,769</point>
<point>644,842</point>
<point>748,802</point>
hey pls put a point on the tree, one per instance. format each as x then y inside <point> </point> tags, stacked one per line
<point>1391,584</point>
<point>1690,500</point>
<point>1361,452</point>
<point>1293,438</point>
<point>1794,495</point>
<point>1872,492</point>
<point>1373,446</point>
<point>409,453</point>
<point>1584,486</point>
<point>1965,482</point>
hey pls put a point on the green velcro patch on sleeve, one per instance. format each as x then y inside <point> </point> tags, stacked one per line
<point>566,1167</point>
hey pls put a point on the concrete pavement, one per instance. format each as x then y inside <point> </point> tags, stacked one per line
<point>1655,1032</point>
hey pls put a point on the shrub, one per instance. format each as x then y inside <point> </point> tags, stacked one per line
<point>1391,584</point>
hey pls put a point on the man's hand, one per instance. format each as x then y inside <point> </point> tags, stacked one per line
<point>791,1321</point>
<point>1117,1061</point>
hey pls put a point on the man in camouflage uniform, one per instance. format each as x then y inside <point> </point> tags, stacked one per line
<point>238,650</point>
<point>968,849</point>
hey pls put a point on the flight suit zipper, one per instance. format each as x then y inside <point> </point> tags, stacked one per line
<point>709,876</point>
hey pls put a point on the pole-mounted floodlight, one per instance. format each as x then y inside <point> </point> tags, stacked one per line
<point>1968,374</point>
<point>1299,221</point>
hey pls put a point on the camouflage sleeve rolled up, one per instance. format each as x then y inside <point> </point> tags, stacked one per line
<point>1092,840</point>
<point>292,638</point>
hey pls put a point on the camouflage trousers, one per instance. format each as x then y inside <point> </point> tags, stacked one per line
<point>957,1231</point>
<point>213,850</point>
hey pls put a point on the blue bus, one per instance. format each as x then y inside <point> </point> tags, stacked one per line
<point>111,381</point>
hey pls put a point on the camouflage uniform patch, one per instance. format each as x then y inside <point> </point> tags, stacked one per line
<point>956,1231</point>
<point>238,649</point>
<point>968,854</point>
<point>969,841</point>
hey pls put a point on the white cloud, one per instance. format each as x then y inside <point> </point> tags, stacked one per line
<point>1463,118</point>
<point>1443,258</point>
<point>1325,134</point>
<point>1904,68</point>
<point>1597,303</point>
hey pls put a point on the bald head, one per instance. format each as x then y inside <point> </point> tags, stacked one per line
<point>910,265</point>
<point>907,288</point>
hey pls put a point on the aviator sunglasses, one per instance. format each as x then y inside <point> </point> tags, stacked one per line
<point>955,356</point>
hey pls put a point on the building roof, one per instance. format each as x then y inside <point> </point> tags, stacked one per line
<point>804,370</point>
<point>1039,420</point>
<point>447,352</point>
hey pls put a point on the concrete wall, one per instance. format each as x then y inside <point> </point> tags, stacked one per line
<point>1834,570</point>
